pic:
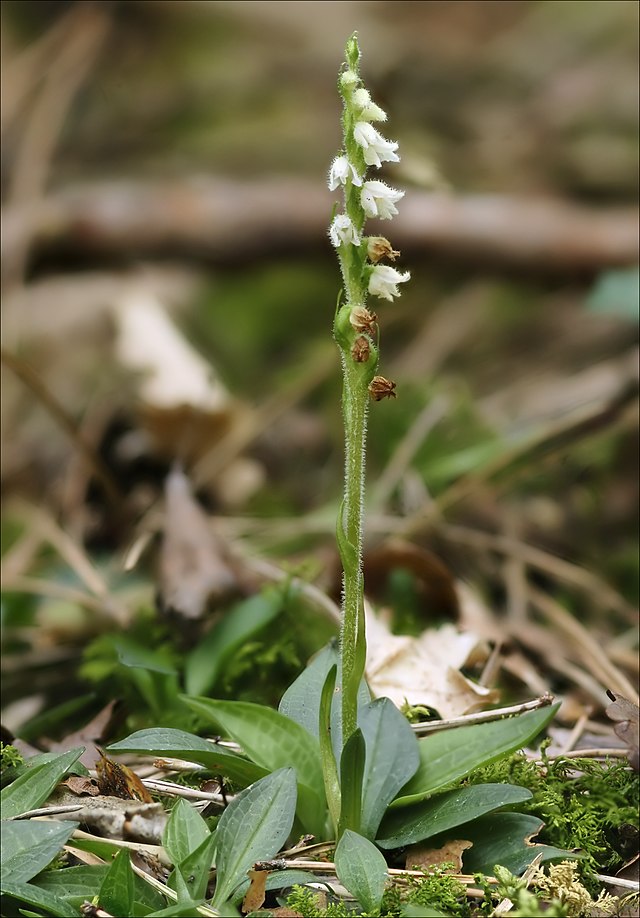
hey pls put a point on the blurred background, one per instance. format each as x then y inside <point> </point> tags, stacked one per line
<point>169,289</point>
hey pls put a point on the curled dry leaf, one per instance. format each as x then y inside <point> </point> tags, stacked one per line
<point>627,728</point>
<point>255,895</point>
<point>116,780</point>
<point>82,785</point>
<point>425,670</point>
<point>420,857</point>
<point>193,568</point>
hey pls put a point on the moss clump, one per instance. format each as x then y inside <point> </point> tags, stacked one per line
<point>584,804</point>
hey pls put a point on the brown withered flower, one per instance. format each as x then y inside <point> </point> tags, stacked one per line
<point>380,388</point>
<point>361,349</point>
<point>362,320</point>
<point>378,247</point>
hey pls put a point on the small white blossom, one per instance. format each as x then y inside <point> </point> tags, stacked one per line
<point>384,281</point>
<point>377,149</point>
<point>348,78</point>
<point>342,230</point>
<point>369,111</point>
<point>378,200</point>
<point>339,173</point>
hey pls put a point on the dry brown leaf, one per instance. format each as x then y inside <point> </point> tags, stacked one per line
<point>81,785</point>
<point>254,896</point>
<point>116,780</point>
<point>425,670</point>
<point>420,857</point>
<point>192,567</point>
<point>627,728</point>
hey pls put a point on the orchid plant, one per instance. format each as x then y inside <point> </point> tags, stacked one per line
<point>332,762</point>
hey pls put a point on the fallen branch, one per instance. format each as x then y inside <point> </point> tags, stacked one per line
<point>215,219</point>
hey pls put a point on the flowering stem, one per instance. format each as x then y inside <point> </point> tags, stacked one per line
<point>356,333</point>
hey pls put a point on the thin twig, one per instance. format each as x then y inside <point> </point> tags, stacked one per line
<point>48,811</point>
<point>482,717</point>
<point>177,790</point>
<point>633,885</point>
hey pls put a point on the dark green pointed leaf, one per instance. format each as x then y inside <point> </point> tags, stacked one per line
<point>412,824</point>
<point>31,789</point>
<point>38,898</point>
<point>301,701</point>
<point>28,847</point>
<point>327,756</point>
<point>194,871</point>
<point>392,759</point>
<point>254,827</point>
<point>179,744</point>
<point>205,662</point>
<point>184,832</point>
<point>116,894</point>
<point>361,869</point>
<point>352,765</point>
<point>505,839</point>
<point>273,741</point>
<point>75,884</point>
<point>449,755</point>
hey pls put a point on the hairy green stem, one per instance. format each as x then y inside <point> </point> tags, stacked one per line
<point>355,401</point>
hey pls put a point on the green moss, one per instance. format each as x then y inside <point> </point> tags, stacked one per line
<point>584,804</point>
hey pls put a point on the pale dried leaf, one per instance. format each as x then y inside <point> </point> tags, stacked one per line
<point>254,896</point>
<point>192,566</point>
<point>420,857</point>
<point>426,670</point>
<point>149,343</point>
<point>627,728</point>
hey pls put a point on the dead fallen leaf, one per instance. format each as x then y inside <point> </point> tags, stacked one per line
<point>193,568</point>
<point>627,728</point>
<point>425,670</point>
<point>116,780</point>
<point>284,912</point>
<point>257,890</point>
<point>96,731</point>
<point>80,785</point>
<point>420,857</point>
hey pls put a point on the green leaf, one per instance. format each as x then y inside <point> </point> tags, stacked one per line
<point>446,811</point>
<point>184,832</point>
<point>74,884</point>
<point>116,894</point>
<point>352,764</point>
<point>40,898</point>
<point>32,788</point>
<point>327,756</point>
<point>28,847</point>
<point>254,827</point>
<point>273,741</point>
<point>505,839</point>
<point>361,869</point>
<point>136,656</point>
<point>301,701</point>
<point>179,744</point>
<point>392,758</point>
<point>194,871</point>
<point>449,755</point>
<point>204,663</point>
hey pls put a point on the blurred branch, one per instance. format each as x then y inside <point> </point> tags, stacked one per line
<point>212,218</point>
<point>77,41</point>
